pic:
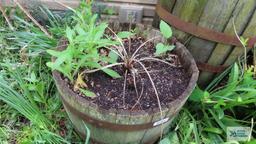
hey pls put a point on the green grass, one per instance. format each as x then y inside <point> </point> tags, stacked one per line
<point>30,108</point>
<point>208,113</point>
<point>31,111</point>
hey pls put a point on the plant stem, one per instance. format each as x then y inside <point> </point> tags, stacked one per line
<point>134,54</point>
<point>6,18</point>
<point>156,59</point>
<point>31,18</point>
<point>120,41</point>
<point>95,70</point>
<point>245,49</point>
<point>125,79</point>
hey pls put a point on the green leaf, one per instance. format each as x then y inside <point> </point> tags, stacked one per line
<point>125,34</point>
<point>197,95</point>
<point>173,137</point>
<point>234,75</point>
<point>88,134</point>
<point>165,141</point>
<point>161,48</point>
<point>113,57</point>
<point>253,141</point>
<point>100,31</point>
<point>53,53</point>
<point>88,93</point>
<point>244,41</point>
<point>32,78</point>
<point>213,130</point>
<point>80,30</point>
<point>220,112</point>
<point>111,73</point>
<point>69,34</point>
<point>165,29</point>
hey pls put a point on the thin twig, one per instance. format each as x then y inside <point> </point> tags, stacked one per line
<point>125,79</point>
<point>134,81</point>
<point>245,49</point>
<point>105,67</point>
<point>251,129</point>
<point>139,97</point>
<point>120,41</point>
<point>31,18</point>
<point>159,60</point>
<point>116,52</point>
<point>129,38</point>
<point>134,54</point>
<point>64,5</point>
<point>6,18</point>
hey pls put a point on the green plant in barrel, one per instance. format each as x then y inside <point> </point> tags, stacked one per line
<point>86,38</point>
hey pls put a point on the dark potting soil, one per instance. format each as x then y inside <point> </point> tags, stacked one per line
<point>170,82</point>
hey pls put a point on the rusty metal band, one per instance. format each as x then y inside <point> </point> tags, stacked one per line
<point>210,68</point>
<point>203,33</point>
<point>104,124</point>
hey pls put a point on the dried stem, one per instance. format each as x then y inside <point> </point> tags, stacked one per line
<point>251,130</point>
<point>129,38</point>
<point>31,18</point>
<point>134,54</point>
<point>139,97</point>
<point>134,82</point>
<point>156,59</point>
<point>125,79</point>
<point>64,5</point>
<point>116,52</point>
<point>245,49</point>
<point>125,52</point>
<point>6,18</point>
<point>105,67</point>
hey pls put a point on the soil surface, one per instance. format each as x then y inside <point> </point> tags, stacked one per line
<point>170,82</point>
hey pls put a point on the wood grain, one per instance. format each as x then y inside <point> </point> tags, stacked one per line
<point>189,11</point>
<point>215,16</point>
<point>168,5</point>
<point>241,16</point>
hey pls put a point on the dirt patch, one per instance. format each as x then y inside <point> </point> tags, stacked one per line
<point>170,82</point>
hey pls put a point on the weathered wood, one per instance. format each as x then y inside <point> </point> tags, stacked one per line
<point>148,8</point>
<point>168,5</point>
<point>101,6</point>
<point>238,51</point>
<point>134,1</point>
<point>112,18</point>
<point>241,16</point>
<point>215,16</point>
<point>189,11</point>
<point>154,133</point>
<point>138,119</point>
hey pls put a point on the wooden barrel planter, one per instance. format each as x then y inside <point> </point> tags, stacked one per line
<point>115,126</point>
<point>206,27</point>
